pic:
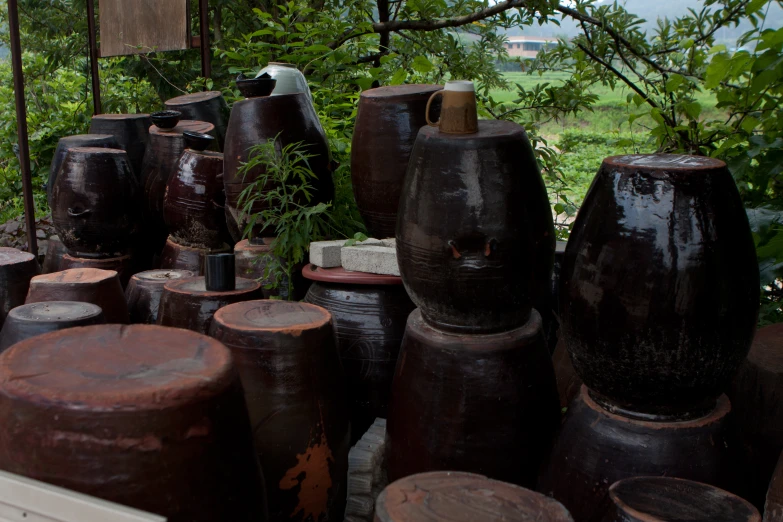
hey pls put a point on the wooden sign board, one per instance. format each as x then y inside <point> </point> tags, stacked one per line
<point>26,500</point>
<point>143,26</point>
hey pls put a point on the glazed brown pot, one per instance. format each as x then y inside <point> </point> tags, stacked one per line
<point>123,265</point>
<point>186,303</point>
<point>55,250</point>
<point>29,320</point>
<point>130,130</point>
<point>387,122</point>
<point>596,448</point>
<point>644,499</point>
<point>295,394</point>
<point>68,142</point>
<point>478,403</point>
<point>17,268</point>
<point>193,206</point>
<point>181,257</point>
<point>447,496</point>
<point>209,106</point>
<point>369,313</point>
<point>660,284</point>
<point>89,285</point>
<point>149,417</point>
<point>756,395</point>
<point>475,245</point>
<point>291,119</point>
<point>144,291</point>
<point>160,162</point>
<point>96,202</point>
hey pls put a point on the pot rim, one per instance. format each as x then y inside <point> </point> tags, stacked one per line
<point>343,276</point>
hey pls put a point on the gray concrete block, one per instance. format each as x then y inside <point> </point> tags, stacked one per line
<point>389,242</point>
<point>371,259</point>
<point>326,254</point>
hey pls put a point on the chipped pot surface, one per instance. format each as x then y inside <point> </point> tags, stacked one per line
<point>147,367</point>
<point>273,315</point>
<point>448,496</point>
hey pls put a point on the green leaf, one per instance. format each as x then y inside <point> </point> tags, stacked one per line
<point>399,77</point>
<point>692,109</point>
<point>673,82</point>
<point>422,65</point>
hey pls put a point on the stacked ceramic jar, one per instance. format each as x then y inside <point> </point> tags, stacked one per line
<point>95,208</point>
<point>659,299</point>
<point>474,388</point>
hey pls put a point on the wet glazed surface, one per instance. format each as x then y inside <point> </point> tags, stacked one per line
<point>387,122</point>
<point>193,206</point>
<point>209,106</point>
<point>478,403</point>
<point>145,416</point>
<point>160,162</point>
<point>130,130</point>
<point>145,290</point>
<point>660,284</point>
<point>69,142</point>
<point>257,120</point>
<point>369,322</point>
<point>123,265</point>
<point>187,303</point>
<point>34,319</point>
<point>95,202</point>
<point>475,239</point>
<point>464,497</point>
<point>295,395</point>
<point>595,448</point>
<point>646,499</point>
<point>90,285</point>
<point>17,268</point>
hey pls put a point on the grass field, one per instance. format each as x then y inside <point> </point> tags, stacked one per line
<point>610,113</point>
<point>584,140</point>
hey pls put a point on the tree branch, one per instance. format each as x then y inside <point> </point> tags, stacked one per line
<point>429,25</point>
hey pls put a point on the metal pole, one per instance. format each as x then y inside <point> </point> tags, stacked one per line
<point>96,79</point>
<point>21,126</point>
<point>206,66</point>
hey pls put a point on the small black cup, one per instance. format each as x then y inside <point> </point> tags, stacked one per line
<point>219,273</point>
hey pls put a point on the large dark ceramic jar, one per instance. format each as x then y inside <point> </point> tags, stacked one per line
<point>148,417</point>
<point>96,202</point>
<point>595,448</point>
<point>17,268</point>
<point>387,122</point>
<point>69,142</point>
<point>479,403</point>
<point>33,319</point>
<point>369,313</point>
<point>660,284</point>
<point>292,119</point>
<point>194,200</point>
<point>295,395</point>
<point>131,132</point>
<point>186,303</point>
<point>160,162</point>
<point>475,239</point>
<point>209,106</point>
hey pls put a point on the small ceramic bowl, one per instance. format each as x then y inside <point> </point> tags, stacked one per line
<point>166,119</point>
<point>197,141</point>
<point>255,87</point>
